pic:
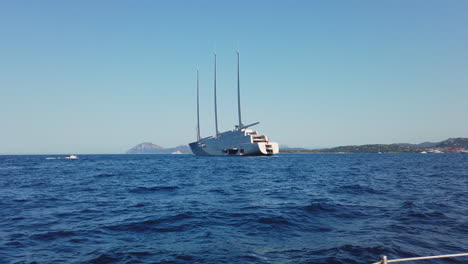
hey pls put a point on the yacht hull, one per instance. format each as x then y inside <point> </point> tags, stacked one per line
<point>235,143</point>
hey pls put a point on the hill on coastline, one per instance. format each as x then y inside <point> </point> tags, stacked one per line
<point>449,145</point>
<point>150,148</point>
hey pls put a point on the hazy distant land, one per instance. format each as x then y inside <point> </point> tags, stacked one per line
<point>150,148</point>
<point>451,145</point>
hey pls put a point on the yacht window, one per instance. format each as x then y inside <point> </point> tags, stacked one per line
<point>232,151</point>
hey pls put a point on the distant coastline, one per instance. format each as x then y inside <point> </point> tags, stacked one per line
<point>451,145</point>
<point>150,148</point>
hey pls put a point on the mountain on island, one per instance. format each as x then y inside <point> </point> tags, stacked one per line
<point>454,143</point>
<point>150,148</point>
<point>420,145</point>
<point>449,145</point>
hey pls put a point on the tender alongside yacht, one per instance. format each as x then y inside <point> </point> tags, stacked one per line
<point>240,141</point>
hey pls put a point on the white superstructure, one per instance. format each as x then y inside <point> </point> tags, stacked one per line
<point>239,141</point>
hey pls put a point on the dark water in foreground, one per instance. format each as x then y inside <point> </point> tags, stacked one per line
<point>187,209</point>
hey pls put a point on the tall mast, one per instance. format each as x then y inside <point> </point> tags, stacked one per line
<point>198,109</point>
<point>238,90</point>
<point>215,105</point>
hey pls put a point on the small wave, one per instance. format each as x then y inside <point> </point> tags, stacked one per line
<point>21,200</point>
<point>407,204</point>
<point>251,258</point>
<point>140,253</point>
<point>336,210</point>
<point>14,244</point>
<point>348,253</point>
<point>51,198</point>
<point>17,235</point>
<point>243,172</point>
<point>167,224</point>
<point>10,167</point>
<point>185,257</point>
<point>147,226</point>
<point>89,211</point>
<point>219,191</point>
<point>355,189</point>
<point>251,207</point>
<point>65,214</point>
<point>320,207</point>
<point>344,254</point>
<point>104,259</point>
<point>78,240</point>
<point>154,189</point>
<point>427,215</point>
<point>400,228</point>
<point>104,175</point>
<point>275,220</point>
<point>171,229</point>
<point>238,215</point>
<point>52,235</point>
<point>423,217</point>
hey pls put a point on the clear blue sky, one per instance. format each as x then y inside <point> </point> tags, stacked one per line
<point>102,76</point>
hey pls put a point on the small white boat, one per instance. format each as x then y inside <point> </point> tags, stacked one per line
<point>423,152</point>
<point>72,157</point>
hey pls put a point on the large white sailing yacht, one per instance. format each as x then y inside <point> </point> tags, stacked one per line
<point>240,141</point>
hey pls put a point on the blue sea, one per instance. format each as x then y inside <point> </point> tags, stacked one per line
<point>310,208</point>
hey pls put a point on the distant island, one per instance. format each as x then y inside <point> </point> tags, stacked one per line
<point>150,148</point>
<point>451,145</point>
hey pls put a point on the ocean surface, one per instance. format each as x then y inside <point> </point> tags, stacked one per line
<point>311,208</point>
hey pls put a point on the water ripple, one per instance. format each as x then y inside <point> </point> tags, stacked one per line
<point>187,209</point>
